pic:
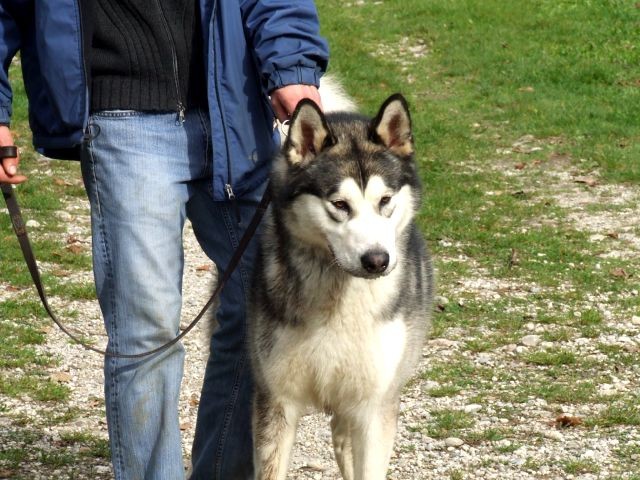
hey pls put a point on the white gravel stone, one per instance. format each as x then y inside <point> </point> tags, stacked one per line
<point>472,408</point>
<point>453,442</point>
<point>553,435</point>
<point>530,340</point>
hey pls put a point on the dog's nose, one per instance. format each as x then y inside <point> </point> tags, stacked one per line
<point>375,261</point>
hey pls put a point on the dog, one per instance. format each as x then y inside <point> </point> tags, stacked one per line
<point>342,290</point>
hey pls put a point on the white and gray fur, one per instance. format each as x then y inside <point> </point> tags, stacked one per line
<point>341,299</point>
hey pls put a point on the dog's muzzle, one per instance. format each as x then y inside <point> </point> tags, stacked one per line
<point>375,261</point>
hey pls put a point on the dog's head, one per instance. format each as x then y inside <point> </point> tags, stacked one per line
<point>347,185</point>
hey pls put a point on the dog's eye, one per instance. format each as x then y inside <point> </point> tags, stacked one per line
<point>385,200</point>
<point>341,205</point>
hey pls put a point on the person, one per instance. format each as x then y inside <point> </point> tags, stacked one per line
<point>170,106</point>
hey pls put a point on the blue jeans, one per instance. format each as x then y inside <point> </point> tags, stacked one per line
<point>145,174</point>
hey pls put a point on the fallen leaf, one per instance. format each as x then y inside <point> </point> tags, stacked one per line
<point>514,258</point>
<point>203,268</point>
<point>614,235</point>
<point>312,467</point>
<point>520,165</point>
<point>619,273</point>
<point>565,421</point>
<point>185,426</point>
<point>74,248</point>
<point>588,181</point>
<point>61,182</point>
<point>60,377</point>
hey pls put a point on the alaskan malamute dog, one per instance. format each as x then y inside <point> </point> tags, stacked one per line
<point>342,291</point>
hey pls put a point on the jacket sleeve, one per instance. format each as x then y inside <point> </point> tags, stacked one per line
<point>286,40</point>
<point>11,12</point>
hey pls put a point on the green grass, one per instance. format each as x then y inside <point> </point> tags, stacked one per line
<point>445,423</point>
<point>36,386</point>
<point>623,412</point>
<point>552,358</point>
<point>580,467</point>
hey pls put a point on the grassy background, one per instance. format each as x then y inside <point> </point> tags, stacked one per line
<point>479,75</point>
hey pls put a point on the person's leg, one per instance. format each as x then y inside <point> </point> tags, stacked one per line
<point>136,171</point>
<point>223,448</point>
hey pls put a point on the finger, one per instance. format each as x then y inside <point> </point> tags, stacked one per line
<point>13,180</point>
<point>314,95</point>
<point>9,171</point>
<point>281,113</point>
<point>10,165</point>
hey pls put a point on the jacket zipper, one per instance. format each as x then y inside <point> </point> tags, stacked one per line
<point>228,186</point>
<point>174,60</point>
<point>87,134</point>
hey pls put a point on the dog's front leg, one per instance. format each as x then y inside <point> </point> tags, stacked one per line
<point>341,435</point>
<point>372,437</point>
<point>274,429</point>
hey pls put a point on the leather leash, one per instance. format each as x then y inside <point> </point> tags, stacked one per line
<point>25,245</point>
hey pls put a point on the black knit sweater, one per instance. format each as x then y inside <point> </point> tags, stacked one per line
<point>144,54</point>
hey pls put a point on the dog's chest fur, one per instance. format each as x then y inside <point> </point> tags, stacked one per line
<point>346,348</point>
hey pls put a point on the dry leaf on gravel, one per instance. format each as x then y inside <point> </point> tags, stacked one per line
<point>565,421</point>
<point>514,258</point>
<point>74,248</point>
<point>61,182</point>
<point>60,377</point>
<point>619,273</point>
<point>588,181</point>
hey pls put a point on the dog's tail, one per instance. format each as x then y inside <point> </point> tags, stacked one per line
<point>334,97</point>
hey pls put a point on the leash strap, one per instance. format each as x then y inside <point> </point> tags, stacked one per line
<point>27,252</point>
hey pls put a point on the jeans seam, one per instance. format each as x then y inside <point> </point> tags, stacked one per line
<point>230,408</point>
<point>118,471</point>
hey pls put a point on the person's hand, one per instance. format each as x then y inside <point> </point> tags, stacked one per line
<point>9,166</point>
<point>284,100</point>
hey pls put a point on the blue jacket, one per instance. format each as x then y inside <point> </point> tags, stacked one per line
<point>252,47</point>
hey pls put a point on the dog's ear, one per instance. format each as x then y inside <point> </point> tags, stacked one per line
<point>309,133</point>
<point>392,126</point>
